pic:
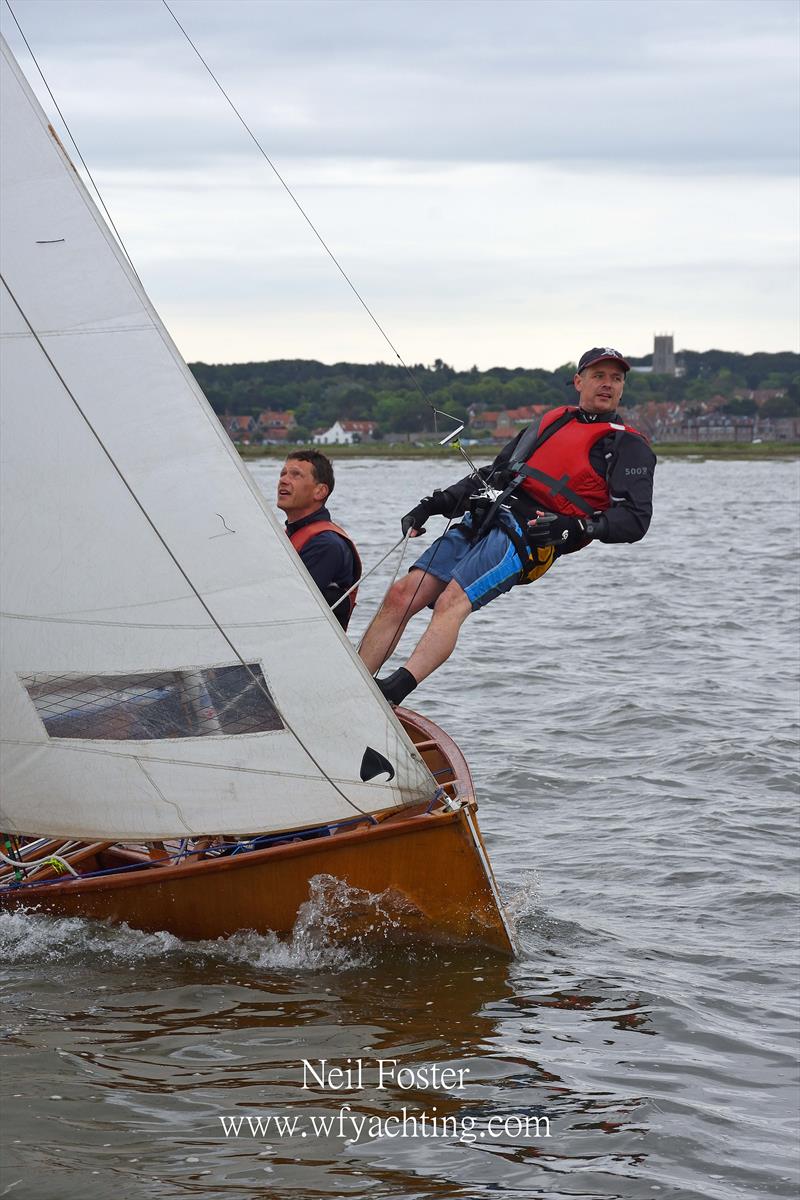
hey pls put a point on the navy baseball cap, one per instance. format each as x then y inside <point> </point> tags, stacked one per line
<point>602,354</point>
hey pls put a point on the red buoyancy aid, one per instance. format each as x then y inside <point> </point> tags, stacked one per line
<point>562,478</point>
<point>303,536</point>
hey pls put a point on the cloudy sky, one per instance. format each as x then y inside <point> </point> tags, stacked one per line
<point>506,182</point>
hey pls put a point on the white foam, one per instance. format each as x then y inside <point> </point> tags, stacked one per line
<point>315,942</point>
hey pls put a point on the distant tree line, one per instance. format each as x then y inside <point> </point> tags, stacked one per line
<point>318,394</point>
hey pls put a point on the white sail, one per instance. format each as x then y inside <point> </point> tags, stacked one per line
<point>168,668</point>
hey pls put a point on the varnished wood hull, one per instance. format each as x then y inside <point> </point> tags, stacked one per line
<point>413,876</point>
<point>421,878</point>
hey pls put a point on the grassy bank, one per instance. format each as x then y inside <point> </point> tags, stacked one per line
<point>486,451</point>
<point>727,449</point>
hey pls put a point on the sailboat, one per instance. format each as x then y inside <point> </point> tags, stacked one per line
<point>189,741</point>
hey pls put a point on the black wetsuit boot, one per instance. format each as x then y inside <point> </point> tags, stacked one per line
<point>397,686</point>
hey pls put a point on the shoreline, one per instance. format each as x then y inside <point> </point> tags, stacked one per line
<point>488,450</point>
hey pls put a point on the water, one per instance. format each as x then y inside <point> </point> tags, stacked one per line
<point>631,722</point>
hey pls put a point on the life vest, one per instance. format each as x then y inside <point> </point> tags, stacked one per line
<point>558,473</point>
<point>302,536</point>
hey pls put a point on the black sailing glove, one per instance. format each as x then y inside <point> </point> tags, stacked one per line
<point>439,503</point>
<point>568,533</point>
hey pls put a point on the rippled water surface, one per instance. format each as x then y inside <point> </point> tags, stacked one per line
<point>631,723</point>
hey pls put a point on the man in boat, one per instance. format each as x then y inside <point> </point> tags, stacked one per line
<point>579,476</point>
<point>329,554</point>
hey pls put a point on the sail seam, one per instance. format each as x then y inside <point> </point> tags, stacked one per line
<point>53,620</point>
<point>48,333</point>
<point>83,748</point>
<point>172,804</point>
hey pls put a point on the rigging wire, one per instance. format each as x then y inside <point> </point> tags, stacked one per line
<point>437,412</point>
<point>403,542</point>
<point>400,559</point>
<point>74,143</point>
<point>453,436</point>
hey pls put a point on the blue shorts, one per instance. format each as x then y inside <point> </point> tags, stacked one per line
<point>484,569</point>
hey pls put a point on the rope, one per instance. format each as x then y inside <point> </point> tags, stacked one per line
<point>52,860</point>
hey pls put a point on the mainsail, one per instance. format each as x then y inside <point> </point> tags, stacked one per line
<point>168,668</point>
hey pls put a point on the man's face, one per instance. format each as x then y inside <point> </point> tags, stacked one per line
<point>600,387</point>
<point>299,494</point>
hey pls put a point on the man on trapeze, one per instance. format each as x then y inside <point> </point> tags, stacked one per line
<point>579,475</point>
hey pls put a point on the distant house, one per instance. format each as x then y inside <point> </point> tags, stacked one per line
<point>483,420</point>
<point>719,427</point>
<point>786,429</point>
<point>661,420</point>
<point>506,424</point>
<point>239,429</point>
<point>346,433</point>
<point>526,414</point>
<point>759,395</point>
<point>274,426</point>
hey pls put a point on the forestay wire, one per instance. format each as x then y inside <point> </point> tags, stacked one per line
<point>436,412</point>
<point>403,542</point>
<point>453,436</point>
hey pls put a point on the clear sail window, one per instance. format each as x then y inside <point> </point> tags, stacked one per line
<point>143,707</point>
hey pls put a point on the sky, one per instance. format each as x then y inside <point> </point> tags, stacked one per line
<point>506,183</point>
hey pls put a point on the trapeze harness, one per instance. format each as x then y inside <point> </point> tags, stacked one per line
<point>301,537</point>
<point>560,444</point>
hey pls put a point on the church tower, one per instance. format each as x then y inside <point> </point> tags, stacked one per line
<point>664,354</point>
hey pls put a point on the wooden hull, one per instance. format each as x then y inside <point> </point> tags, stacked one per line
<point>414,876</point>
<point>416,879</point>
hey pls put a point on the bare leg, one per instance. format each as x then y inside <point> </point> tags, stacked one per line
<point>400,603</point>
<point>439,640</point>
